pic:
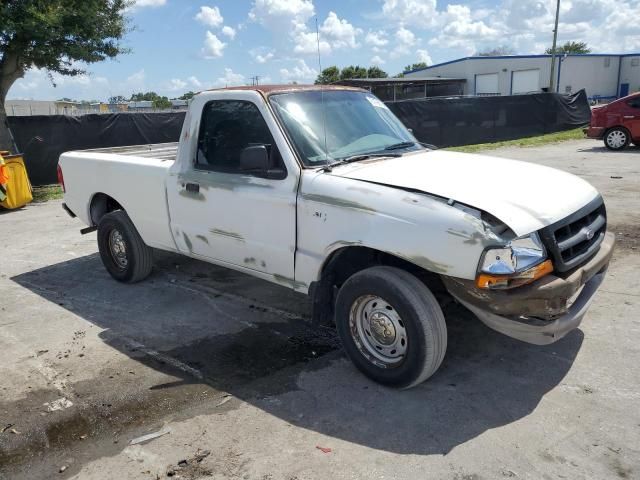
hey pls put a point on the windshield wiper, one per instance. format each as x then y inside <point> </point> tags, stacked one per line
<point>358,157</point>
<point>399,145</point>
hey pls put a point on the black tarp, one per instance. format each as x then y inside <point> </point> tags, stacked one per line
<point>42,138</point>
<point>440,121</point>
<point>455,121</point>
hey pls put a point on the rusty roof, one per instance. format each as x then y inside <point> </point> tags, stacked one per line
<point>270,89</point>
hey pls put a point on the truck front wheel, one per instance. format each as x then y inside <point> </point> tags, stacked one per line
<point>391,326</point>
<point>123,252</point>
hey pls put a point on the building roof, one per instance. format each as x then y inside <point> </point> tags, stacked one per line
<point>546,55</point>
<point>394,80</point>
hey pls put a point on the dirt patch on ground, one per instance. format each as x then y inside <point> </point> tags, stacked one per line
<point>627,236</point>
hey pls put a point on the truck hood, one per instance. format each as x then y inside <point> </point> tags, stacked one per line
<point>525,196</point>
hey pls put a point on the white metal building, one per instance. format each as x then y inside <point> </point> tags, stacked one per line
<point>603,76</point>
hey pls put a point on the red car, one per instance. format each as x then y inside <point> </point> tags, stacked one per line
<point>617,123</point>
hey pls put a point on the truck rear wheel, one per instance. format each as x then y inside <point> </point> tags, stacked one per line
<point>391,326</point>
<point>123,252</point>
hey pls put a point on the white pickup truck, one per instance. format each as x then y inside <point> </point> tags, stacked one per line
<point>324,191</point>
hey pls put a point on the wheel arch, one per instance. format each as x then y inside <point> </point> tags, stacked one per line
<point>100,205</point>
<point>621,127</point>
<point>345,261</point>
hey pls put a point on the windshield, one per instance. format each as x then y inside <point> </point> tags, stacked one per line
<point>357,123</point>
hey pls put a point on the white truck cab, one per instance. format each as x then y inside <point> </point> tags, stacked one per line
<point>323,190</point>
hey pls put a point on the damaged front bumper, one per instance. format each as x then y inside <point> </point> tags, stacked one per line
<point>546,310</point>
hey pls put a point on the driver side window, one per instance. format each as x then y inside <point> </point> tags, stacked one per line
<point>227,128</point>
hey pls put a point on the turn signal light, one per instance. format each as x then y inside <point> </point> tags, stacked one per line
<point>502,282</point>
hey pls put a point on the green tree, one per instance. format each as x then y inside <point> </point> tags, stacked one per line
<point>187,96</point>
<point>328,75</point>
<point>55,35</point>
<point>162,103</point>
<point>570,47</point>
<point>415,66</point>
<point>495,52</point>
<point>353,71</point>
<point>376,72</point>
<point>146,96</point>
<point>117,99</point>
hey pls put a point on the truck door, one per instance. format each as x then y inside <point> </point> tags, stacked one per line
<point>220,210</point>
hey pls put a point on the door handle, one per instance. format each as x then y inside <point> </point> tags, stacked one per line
<point>192,187</point>
<point>628,116</point>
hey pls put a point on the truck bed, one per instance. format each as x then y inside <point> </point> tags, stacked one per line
<point>160,151</point>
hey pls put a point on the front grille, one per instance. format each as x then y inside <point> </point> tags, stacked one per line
<point>575,239</point>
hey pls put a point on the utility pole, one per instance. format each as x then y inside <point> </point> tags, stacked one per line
<point>553,50</point>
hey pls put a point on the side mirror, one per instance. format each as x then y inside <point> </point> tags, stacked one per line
<point>254,159</point>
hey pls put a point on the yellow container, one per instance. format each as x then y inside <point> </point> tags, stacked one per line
<point>19,191</point>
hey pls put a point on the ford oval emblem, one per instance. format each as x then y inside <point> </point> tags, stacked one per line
<point>590,233</point>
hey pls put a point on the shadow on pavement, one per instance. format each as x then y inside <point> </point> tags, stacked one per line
<point>286,368</point>
<point>599,147</point>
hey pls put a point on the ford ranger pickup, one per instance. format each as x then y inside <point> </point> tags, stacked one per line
<point>324,191</point>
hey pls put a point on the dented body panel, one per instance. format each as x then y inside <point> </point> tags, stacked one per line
<point>335,212</point>
<point>436,210</point>
<point>525,196</point>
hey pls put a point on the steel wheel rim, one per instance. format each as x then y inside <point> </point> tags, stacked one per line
<point>378,331</point>
<point>616,139</point>
<point>118,249</point>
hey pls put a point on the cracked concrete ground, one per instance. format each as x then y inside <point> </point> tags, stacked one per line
<point>248,389</point>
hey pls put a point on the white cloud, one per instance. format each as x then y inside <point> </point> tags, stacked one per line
<point>340,32</point>
<point>301,72</point>
<point>405,40</point>
<point>405,36</point>
<point>307,43</point>
<point>423,56</point>
<point>37,84</point>
<point>136,80</point>
<point>282,15</point>
<point>213,46</point>
<point>376,39</point>
<point>147,3</point>
<point>175,84</point>
<point>230,79</point>
<point>460,24</point>
<point>210,16</point>
<point>376,60</point>
<point>229,32</point>
<point>194,81</point>
<point>264,58</point>
<point>422,13</point>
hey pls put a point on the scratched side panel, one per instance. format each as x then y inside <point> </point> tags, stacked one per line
<point>334,212</point>
<point>136,183</point>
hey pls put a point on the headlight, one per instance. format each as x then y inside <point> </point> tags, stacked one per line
<point>519,262</point>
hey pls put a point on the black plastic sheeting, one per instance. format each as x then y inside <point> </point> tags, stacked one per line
<point>454,121</point>
<point>440,121</point>
<point>42,138</point>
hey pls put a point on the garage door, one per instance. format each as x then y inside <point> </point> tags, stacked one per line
<point>525,81</point>
<point>487,84</point>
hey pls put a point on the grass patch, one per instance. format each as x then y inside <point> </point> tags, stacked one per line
<point>557,137</point>
<point>46,193</point>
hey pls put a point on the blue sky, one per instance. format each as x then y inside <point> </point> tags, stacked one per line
<point>182,45</point>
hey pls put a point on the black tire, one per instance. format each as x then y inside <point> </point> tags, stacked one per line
<point>617,138</point>
<point>421,318</point>
<point>136,262</point>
